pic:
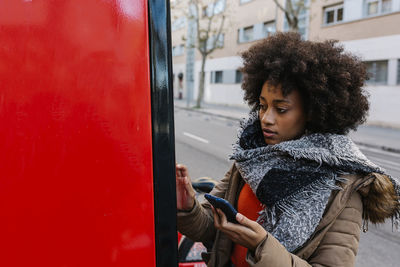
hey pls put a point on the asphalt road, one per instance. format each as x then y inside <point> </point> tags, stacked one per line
<point>204,142</point>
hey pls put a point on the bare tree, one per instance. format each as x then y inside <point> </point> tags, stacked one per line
<point>292,9</point>
<point>209,31</point>
<point>209,18</point>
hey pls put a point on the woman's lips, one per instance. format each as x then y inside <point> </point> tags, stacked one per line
<point>268,133</point>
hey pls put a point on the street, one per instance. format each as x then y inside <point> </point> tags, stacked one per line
<point>203,144</point>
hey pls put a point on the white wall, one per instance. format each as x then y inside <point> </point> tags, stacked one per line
<point>214,93</point>
<point>385,108</point>
<point>384,99</point>
<point>395,5</point>
<point>230,94</point>
<point>352,9</point>
<point>380,48</point>
<point>377,48</point>
<point>392,72</point>
<point>223,93</point>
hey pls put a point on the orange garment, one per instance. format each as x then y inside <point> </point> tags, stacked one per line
<point>249,206</point>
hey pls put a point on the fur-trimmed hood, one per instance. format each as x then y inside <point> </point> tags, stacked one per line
<point>380,199</point>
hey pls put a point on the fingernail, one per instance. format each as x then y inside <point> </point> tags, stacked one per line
<point>239,216</point>
<point>186,180</point>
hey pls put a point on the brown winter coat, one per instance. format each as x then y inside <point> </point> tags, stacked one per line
<point>334,242</point>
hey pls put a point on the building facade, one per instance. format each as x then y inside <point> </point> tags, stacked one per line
<point>368,28</point>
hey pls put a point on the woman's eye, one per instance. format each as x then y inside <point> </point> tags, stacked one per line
<point>281,110</point>
<point>262,107</point>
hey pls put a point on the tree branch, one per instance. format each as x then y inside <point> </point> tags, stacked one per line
<point>279,5</point>
<point>215,41</point>
<point>291,14</point>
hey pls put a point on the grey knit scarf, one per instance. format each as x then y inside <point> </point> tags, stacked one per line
<point>294,179</point>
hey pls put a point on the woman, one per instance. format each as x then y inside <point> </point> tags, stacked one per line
<point>301,186</point>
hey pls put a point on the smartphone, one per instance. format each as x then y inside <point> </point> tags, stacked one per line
<point>225,206</point>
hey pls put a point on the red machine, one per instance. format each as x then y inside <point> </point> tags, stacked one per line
<point>86,134</point>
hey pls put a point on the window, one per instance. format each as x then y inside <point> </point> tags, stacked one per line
<point>244,1</point>
<point>179,23</point>
<point>238,76</point>
<point>178,50</point>
<point>378,71</point>
<point>333,14</point>
<point>372,7</point>
<point>386,6</point>
<point>217,7</point>
<point>398,71</point>
<point>218,76</point>
<point>219,43</point>
<point>204,12</point>
<point>268,28</point>
<point>256,31</point>
<point>376,7</point>
<point>246,34</point>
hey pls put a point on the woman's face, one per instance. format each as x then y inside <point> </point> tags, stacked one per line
<point>282,117</point>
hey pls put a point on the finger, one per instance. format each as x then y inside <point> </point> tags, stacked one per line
<point>179,182</point>
<point>189,188</point>
<point>228,226</point>
<point>233,227</point>
<point>217,220</point>
<point>243,220</point>
<point>178,170</point>
<point>224,220</point>
<point>233,231</point>
<point>221,214</point>
<point>183,170</point>
<point>188,185</point>
<point>180,166</point>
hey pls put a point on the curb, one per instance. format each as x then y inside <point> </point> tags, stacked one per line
<point>384,148</point>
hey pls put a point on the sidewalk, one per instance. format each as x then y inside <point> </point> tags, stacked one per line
<point>367,135</point>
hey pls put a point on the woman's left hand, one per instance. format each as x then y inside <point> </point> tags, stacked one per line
<point>247,233</point>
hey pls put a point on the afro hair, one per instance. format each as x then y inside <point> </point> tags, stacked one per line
<point>329,80</point>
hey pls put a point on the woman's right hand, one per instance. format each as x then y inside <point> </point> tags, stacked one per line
<point>185,193</point>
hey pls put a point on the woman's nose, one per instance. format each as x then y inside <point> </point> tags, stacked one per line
<point>268,117</point>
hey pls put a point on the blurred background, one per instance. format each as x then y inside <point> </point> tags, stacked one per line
<point>207,39</point>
